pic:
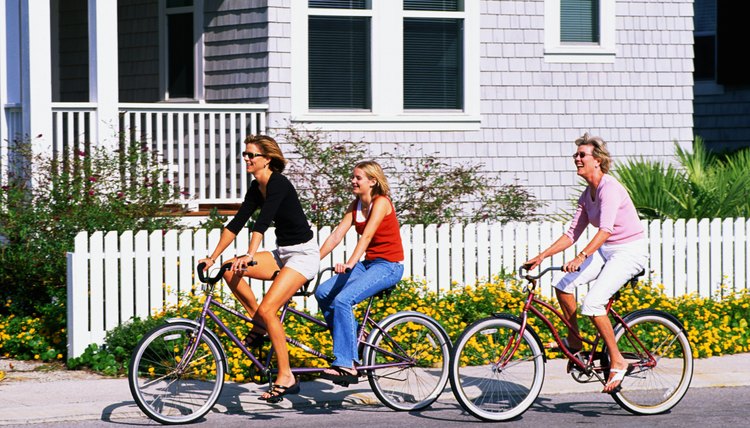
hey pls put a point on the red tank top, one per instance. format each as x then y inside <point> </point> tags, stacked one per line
<point>386,242</point>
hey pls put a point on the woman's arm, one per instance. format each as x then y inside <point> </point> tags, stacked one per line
<point>596,242</point>
<point>226,238</point>
<point>561,244</point>
<point>377,214</point>
<point>334,239</point>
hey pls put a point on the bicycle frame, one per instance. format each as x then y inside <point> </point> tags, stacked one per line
<point>587,366</point>
<point>264,366</point>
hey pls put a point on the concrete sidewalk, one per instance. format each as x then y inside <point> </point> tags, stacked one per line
<point>29,396</point>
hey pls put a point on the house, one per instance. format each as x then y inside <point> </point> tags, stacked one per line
<point>722,87</point>
<point>509,83</point>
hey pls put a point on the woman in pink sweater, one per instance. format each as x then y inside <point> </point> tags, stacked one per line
<point>616,253</point>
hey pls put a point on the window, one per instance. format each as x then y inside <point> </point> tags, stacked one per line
<point>579,21</point>
<point>181,72</point>
<point>384,64</point>
<point>704,48</point>
<point>579,31</point>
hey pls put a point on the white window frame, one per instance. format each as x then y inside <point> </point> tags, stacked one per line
<point>557,52</point>
<point>198,83</point>
<point>387,70</point>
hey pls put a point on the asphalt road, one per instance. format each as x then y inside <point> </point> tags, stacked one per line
<point>701,407</point>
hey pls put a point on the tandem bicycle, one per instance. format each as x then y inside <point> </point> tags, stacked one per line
<point>178,369</point>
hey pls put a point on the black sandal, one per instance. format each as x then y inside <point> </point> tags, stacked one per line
<point>277,392</point>
<point>256,339</point>
<point>341,377</point>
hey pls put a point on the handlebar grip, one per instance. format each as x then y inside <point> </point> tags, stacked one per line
<point>214,279</point>
<point>201,272</point>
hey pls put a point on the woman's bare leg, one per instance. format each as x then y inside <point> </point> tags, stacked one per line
<point>569,307</point>
<point>287,282</point>
<point>616,360</point>
<point>264,270</point>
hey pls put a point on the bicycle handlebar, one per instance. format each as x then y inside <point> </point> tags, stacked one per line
<point>530,277</point>
<point>214,279</point>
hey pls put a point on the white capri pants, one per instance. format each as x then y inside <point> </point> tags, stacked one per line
<point>609,267</point>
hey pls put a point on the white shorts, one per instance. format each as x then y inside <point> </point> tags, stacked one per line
<point>304,258</point>
<point>610,267</point>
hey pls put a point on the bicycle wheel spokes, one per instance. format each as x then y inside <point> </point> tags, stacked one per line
<point>167,391</point>
<point>657,382</point>
<point>489,380</point>
<point>414,355</point>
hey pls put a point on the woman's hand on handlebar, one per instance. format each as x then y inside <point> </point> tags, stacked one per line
<point>573,265</point>
<point>207,262</point>
<point>533,262</point>
<point>342,268</point>
<point>241,263</point>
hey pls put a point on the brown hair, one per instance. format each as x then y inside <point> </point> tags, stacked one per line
<point>270,149</point>
<point>600,150</point>
<point>373,171</point>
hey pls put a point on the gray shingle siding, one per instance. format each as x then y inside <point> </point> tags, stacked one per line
<point>533,110</point>
<point>723,119</point>
<point>138,52</point>
<point>236,51</point>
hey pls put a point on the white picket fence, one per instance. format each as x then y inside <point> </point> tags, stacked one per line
<point>112,278</point>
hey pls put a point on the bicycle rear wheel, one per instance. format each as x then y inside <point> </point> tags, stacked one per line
<point>418,349</point>
<point>166,393</point>
<point>654,386</point>
<point>491,383</point>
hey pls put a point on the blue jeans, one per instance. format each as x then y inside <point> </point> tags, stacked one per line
<point>338,295</point>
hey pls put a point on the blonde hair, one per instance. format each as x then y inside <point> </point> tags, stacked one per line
<point>600,150</point>
<point>374,171</point>
<point>270,149</point>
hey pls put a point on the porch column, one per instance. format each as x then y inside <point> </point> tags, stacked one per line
<point>36,74</point>
<point>4,136</point>
<point>103,70</point>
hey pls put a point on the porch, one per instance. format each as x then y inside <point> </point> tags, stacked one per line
<point>200,143</point>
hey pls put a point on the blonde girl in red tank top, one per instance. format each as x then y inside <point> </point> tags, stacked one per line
<point>374,218</point>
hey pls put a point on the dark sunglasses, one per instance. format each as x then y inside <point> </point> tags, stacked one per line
<point>580,155</point>
<point>251,155</point>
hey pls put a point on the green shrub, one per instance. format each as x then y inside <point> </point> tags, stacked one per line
<point>424,188</point>
<point>81,191</point>
<point>704,185</point>
<point>715,326</point>
<point>113,357</point>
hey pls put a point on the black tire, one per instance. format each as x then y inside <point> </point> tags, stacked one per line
<point>482,384</point>
<point>413,336</point>
<point>653,389</point>
<point>162,393</point>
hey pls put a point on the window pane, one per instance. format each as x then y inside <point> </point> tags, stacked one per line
<point>338,4</point>
<point>180,55</point>
<point>441,5</point>
<point>339,62</point>
<point>433,63</point>
<point>705,56</point>
<point>579,21</point>
<point>179,3</point>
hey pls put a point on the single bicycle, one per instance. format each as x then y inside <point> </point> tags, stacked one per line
<point>178,369</point>
<point>497,363</point>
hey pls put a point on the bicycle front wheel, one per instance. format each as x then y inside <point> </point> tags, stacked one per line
<point>413,350</point>
<point>167,391</point>
<point>489,379</point>
<point>657,382</point>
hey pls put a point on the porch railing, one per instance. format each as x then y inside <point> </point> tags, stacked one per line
<point>200,143</point>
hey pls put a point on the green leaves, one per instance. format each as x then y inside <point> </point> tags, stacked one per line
<point>704,185</point>
<point>93,190</point>
<point>424,188</point>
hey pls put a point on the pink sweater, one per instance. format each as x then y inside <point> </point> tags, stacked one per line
<point>612,210</point>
